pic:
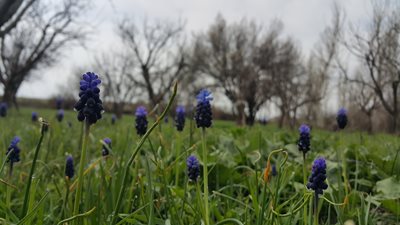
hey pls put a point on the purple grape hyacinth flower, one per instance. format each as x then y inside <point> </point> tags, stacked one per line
<point>60,115</point>
<point>59,102</point>
<point>69,167</point>
<point>274,171</point>
<point>14,149</point>
<point>13,152</point>
<point>304,140</point>
<point>34,116</point>
<point>113,119</point>
<point>3,109</point>
<point>341,118</point>
<point>180,118</point>
<point>193,168</point>
<point>89,106</point>
<point>203,115</point>
<point>141,120</point>
<point>264,121</point>
<point>105,151</point>
<point>317,179</point>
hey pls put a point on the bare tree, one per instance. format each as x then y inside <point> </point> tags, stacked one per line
<point>11,12</point>
<point>116,68</point>
<point>289,82</point>
<point>321,64</point>
<point>366,99</point>
<point>230,55</point>
<point>158,50</point>
<point>37,41</point>
<point>379,50</point>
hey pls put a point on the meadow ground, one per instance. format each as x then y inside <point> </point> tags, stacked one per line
<point>159,192</point>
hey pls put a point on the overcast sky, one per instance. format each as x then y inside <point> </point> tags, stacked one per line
<point>302,19</point>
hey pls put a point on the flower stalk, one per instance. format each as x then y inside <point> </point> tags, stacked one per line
<point>205,178</point>
<point>43,129</point>
<point>78,193</point>
<point>124,183</point>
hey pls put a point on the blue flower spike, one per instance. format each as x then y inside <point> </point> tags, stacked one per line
<point>203,115</point>
<point>89,106</point>
<point>141,120</point>
<point>193,168</point>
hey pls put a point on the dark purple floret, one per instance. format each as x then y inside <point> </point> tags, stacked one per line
<point>113,119</point>
<point>34,116</point>
<point>89,106</point>
<point>274,172</point>
<point>60,115</point>
<point>14,149</point>
<point>59,102</point>
<point>141,111</point>
<point>264,121</point>
<point>193,168</point>
<point>3,109</point>
<point>317,179</point>
<point>203,109</point>
<point>105,150</point>
<point>304,140</point>
<point>141,120</point>
<point>341,118</point>
<point>69,167</point>
<point>180,118</point>
<point>107,141</point>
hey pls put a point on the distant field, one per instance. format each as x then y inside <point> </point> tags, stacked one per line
<point>159,191</point>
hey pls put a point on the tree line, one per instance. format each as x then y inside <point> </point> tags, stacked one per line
<point>253,65</point>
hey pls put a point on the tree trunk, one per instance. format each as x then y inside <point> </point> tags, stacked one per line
<point>395,113</point>
<point>241,115</point>
<point>282,118</point>
<point>149,86</point>
<point>118,108</point>
<point>252,111</point>
<point>250,119</point>
<point>10,95</point>
<point>393,125</point>
<point>11,88</point>
<point>293,119</point>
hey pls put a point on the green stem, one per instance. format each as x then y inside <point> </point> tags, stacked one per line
<point>305,190</point>
<point>205,178</point>
<point>150,193</point>
<point>77,216</point>
<point>198,198</point>
<point>49,144</point>
<point>64,209</point>
<point>394,162</point>
<point>133,156</point>
<point>82,162</point>
<point>28,186</point>
<point>177,153</point>
<point>184,199</point>
<point>263,201</point>
<point>339,177</point>
<point>316,209</point>
<point>344,168</point>
<point>185,189</point>
<point>8,200</point>
<point>5,161</point>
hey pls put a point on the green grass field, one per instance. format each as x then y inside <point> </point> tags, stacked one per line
<point>158,190</point>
